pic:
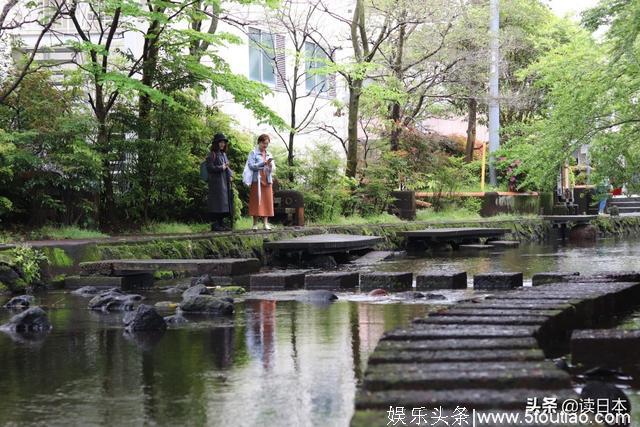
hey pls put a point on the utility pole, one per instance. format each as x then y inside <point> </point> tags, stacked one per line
<point>494,89</point>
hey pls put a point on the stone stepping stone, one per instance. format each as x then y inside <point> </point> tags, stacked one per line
<point>389,281</point>
<point>277,281</point>
<point>380,417</point>
<point>496,313</point>
<point>540,375</point>
<point>605,347</point>
<point>474,398</point>
<point>437,280</point>
<point>458,344</point>
<point>505,243</point>
<point>131,281</point>
<point>539,279</point>
<point>514,305</point>
<point>456,331</point>
<point>484,320</point>
<point>549,299</point>
<point>497,281</point>
<point>440,356</point>
<point>332,281</point>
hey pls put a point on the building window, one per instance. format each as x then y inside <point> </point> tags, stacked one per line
<point>316,59</point>
<point>261,57</point>
<point>49,9</point>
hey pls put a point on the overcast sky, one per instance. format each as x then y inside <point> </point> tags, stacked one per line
<point>572,7</point>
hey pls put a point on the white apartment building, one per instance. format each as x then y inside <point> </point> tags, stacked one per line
<point>266,54</point>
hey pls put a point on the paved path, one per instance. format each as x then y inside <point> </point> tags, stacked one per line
<point>487,356</point>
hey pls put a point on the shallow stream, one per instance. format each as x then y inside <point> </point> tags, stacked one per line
<point>274,363</point>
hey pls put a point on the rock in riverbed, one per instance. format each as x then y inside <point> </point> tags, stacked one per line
<point>176,320</point>
<point>89,291</point>
<point>195,291</point>
<point>207,304</point>
<point>32,320</point>
<point>378,293</point>
<point>144,318</point>
<point>114,300</point>
<point>21,301</point>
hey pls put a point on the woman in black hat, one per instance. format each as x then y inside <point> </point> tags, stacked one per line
<point>220,200</point>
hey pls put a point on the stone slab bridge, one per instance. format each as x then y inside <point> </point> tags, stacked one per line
<point>488,356</point>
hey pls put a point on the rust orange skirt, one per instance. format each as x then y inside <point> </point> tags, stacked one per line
<point>265,207</point>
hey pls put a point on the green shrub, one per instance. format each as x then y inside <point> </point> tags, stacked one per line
<point>29,262</point>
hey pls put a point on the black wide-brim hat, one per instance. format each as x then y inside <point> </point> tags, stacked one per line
<point>218,137</point>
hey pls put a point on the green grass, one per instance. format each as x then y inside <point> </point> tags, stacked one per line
<point>65,232</point>
<point>174,228</point>
<point>384,218</point>
<point>444,215</point>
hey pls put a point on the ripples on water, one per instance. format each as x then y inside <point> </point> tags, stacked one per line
<point>276,363</point>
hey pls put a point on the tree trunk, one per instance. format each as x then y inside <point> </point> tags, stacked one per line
<point>291,177</point>
<point>471,130</point>
<point>355,89</point>
<point>397,71</point>
<point>106,209</point>
<point>397,128</point>
<point>149,66</point>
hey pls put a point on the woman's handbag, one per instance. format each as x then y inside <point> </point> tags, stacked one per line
<point>247,175</point>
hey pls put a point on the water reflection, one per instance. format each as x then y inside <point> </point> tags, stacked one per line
<point>284,363</point>
<point>277,363</point>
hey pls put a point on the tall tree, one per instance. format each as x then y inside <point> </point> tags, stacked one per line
<point>17,16</point>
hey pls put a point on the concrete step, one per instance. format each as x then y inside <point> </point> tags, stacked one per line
<point>458,344</point>
<point>437,332</point>
<point>478,399</point>
<point>483,320</point>
<point>495,375</point>
<point>453,356</point>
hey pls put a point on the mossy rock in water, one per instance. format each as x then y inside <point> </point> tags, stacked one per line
<point>229,290</point>
<point>3,288</point>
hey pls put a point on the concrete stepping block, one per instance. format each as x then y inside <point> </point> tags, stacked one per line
<point>484,320</point>
<point>332,281</point>
<point>552,277</point>
<point>442,358</point>
<point>497,281</point>
<point>458,344</point>
<point>496,313</point>
<point>132,281</point>
<point>605,347</point>
<point>437,280</point>
<point>277,281</point>
<point>549,299</point>
<point>504,243</point>
<point>478,399</point>
<point>420,376</point>
<point>515,305</point>
<point>389,281</point>
<point>422,332</point>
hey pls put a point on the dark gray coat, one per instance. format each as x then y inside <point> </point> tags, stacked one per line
<point>220,198</point>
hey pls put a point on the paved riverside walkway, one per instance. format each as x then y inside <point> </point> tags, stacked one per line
<point>485,356</point>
